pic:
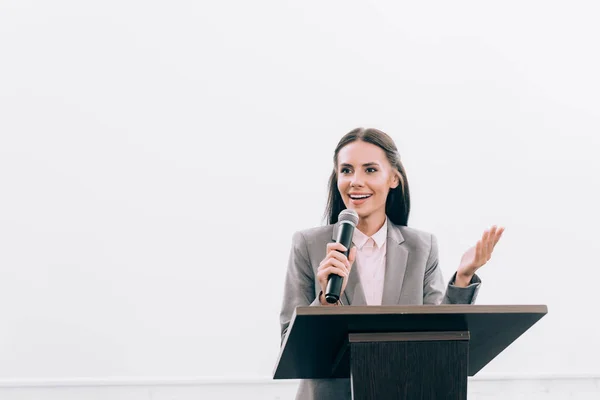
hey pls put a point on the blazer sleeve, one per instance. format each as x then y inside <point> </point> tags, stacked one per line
<point>299,287</point>
<point>434,289</point>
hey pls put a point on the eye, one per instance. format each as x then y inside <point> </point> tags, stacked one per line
<point>345,170</point>
<point>371,170</point>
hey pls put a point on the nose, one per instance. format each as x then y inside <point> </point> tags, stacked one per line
<point>357,180</point>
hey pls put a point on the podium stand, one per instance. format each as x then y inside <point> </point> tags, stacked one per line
<point>400,352</point>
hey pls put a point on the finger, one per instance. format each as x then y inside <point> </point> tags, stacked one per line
<point>489,244</point>
<point>485,236</point>
<point>478,252</point>
<point>499,233</point>
<point>338,256</point>
<point>323,275</point>
<point>352,256</point>
<point>335,246</point>
<point>492,241</point>
<point>336,263</point>
<point>493,230</point>
<point>480,248</point>
<point>333,270</point>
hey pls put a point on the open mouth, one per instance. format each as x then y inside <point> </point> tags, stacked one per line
<point>359,196</point>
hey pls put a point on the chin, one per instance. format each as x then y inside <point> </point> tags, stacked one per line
<point>363,213</point>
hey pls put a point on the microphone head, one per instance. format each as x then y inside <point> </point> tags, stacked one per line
<point>348,215</point>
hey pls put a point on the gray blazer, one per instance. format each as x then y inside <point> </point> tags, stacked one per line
<point>412,276</point>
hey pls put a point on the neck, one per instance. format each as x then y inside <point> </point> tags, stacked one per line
<point>371,224</point>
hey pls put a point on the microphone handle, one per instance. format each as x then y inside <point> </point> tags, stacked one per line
<point>334,281</point>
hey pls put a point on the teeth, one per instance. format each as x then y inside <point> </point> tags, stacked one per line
<point>357,197</point>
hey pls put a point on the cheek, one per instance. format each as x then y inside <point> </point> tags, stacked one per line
<point>342,185</point>
<point>382,184</point>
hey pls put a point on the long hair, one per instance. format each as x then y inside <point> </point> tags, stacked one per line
<point>397,205</point>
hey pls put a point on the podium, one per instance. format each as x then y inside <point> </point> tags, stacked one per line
<point>400,352</point>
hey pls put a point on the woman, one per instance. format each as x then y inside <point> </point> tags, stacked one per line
<point>389,263</point>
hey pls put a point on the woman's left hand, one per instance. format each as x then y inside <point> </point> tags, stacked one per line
<point>477,256</point>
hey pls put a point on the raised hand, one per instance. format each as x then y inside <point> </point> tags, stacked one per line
<point>476,257</point>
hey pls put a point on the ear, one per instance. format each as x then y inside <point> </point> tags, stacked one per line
<point>395,181</point>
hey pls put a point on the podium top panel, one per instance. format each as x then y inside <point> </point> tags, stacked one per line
<point>316,334</point>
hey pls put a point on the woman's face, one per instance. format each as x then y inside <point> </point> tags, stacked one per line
<point>364,178</point>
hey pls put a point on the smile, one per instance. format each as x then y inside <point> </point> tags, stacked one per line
<point>359,196</point>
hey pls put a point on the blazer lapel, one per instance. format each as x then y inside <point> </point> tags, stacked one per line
<point>395,266</point>
<point>353,294</point>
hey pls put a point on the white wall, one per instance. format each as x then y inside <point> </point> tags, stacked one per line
<point>156,157</point>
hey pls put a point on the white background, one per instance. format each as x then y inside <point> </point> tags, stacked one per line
<point>156,157</point>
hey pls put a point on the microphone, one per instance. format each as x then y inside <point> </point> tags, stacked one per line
<point>348,219</point>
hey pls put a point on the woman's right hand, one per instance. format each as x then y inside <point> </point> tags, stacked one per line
<point>335,262</point>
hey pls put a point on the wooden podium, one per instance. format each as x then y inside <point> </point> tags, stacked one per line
<point>400,352</point>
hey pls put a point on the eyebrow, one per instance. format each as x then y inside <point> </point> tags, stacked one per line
<point>369,164</point>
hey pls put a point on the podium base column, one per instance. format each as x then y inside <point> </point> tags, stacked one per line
<point>409,366</point>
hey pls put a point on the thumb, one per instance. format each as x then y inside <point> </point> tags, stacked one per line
<point>352,255</point>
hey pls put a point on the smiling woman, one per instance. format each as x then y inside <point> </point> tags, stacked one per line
<point>395,264</point>
<point>367,162</point>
